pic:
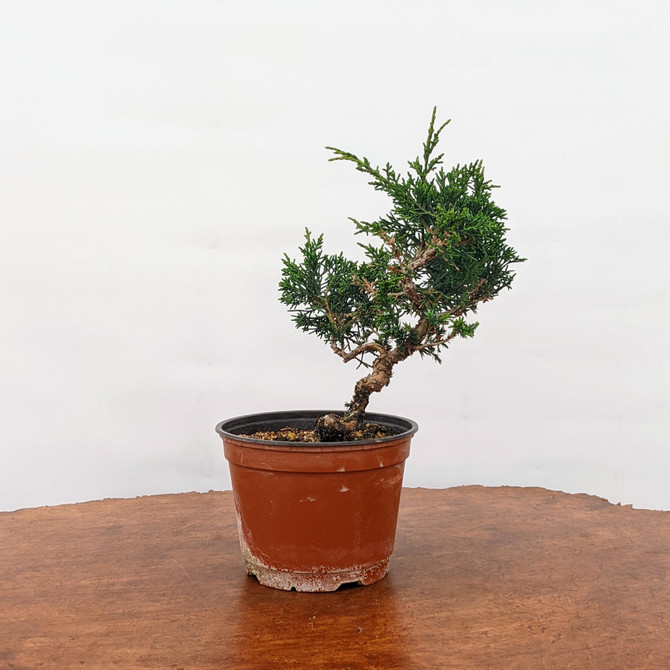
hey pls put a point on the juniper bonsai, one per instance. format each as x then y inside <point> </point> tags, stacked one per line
<point>437,254</point>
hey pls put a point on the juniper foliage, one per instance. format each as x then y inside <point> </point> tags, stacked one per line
<point>429,262</point>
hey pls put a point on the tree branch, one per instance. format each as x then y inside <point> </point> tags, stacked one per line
<point>365,348</point>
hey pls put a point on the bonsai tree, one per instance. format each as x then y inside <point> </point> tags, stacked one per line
<point>429,262</point>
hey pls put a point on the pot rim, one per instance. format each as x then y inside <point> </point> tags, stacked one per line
<point>226,428</point>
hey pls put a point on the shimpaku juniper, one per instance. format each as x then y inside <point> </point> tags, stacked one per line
<point>429,262</point>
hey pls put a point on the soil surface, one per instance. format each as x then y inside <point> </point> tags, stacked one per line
<point>368,431</point>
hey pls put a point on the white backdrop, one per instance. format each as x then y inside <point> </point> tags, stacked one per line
<point>158,158</point>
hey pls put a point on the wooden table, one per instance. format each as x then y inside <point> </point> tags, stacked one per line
<point>481,578</point>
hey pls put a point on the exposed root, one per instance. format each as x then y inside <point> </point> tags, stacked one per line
<point>336,428</point>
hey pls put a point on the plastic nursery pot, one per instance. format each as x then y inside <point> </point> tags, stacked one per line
<point>312,517</point>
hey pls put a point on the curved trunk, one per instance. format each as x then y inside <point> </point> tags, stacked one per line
<point>382,371</point>
<point>335,428</point>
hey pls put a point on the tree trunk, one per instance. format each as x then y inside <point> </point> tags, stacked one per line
<point>382,371</point>
<point>335,428</point>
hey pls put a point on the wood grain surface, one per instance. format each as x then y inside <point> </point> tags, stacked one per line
<point>481,578</point>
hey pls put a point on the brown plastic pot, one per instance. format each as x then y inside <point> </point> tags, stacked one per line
<point>312,517</point>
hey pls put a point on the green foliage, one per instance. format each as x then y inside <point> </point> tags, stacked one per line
<point>429,262</point>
